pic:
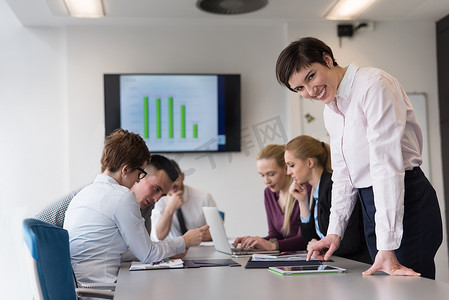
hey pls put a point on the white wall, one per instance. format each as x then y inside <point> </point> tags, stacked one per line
<point>33,145</point>
<point>52,127</point>
<point>231,178</point>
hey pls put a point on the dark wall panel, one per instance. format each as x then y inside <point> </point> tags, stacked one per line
<point>442,28</point>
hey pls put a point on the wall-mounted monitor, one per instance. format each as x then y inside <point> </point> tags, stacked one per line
<point>176,112</point>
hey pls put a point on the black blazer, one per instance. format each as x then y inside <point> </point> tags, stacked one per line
<point>353,245</point>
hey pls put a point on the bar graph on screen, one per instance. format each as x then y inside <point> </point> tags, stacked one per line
<point>171,115</point>
<point>180,129</point>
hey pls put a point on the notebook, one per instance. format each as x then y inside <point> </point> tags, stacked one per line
<point>218,234</point>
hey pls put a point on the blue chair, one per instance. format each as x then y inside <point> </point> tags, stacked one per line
<point>51,274</point>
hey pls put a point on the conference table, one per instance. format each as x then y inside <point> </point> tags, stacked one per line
<point>239,283</point>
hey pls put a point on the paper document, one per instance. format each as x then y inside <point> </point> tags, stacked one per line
<point>165,264</point>
<point>207,244</point>
<point>280,257</point>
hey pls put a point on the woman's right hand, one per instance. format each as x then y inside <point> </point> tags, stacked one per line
<point>299,192</point>
<point>324,248</point>
<point>311,243</point>
<point>246,241</point>
<point>237,241</point>
<point>193,237</point>
<point>256,242</point>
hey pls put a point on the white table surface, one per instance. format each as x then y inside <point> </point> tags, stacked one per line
<point>240,283</point>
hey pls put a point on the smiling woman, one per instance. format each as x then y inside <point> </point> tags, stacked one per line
<point>315,75</point>
<point>376,145</point>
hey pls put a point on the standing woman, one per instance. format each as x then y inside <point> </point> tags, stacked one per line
<point>376,146</point>
<point>309,163</point>
<point>284,233</point>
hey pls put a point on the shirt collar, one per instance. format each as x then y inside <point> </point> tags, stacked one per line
<point>105,179</point>
<point>315,191</point>
<point>344,89</point>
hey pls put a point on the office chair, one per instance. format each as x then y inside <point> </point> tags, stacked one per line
<point>55,212</point>
<point>50,270</point>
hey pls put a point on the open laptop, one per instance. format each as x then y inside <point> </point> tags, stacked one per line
<point>218,234</point>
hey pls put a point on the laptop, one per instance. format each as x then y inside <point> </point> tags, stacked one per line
<point>218,234</point>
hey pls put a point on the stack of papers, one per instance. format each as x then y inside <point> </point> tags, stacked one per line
<point>280,257</point>
<point>165,264</point>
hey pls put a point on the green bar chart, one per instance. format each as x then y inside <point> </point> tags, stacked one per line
<point>183,121</point>
<point>173,113</point>
<point>170,117</point>
<point>170,121</point>
<point>158,119</point>
<point>146,122</point>
<point>195,131</point>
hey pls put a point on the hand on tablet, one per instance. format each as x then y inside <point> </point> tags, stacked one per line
<point>387,262</point>
<point>324,248</point>
<point>311,243</point>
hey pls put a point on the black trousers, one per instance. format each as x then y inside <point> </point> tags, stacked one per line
<point>422,225</point>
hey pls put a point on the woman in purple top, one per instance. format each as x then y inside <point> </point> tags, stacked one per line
<point>284,233</point>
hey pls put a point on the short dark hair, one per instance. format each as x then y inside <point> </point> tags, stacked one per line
<point>175,164</point>
<point>122,147</point>
<point>160,162</point>
<point>300,54</point>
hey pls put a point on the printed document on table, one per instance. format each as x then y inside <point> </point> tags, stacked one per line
<point>165,264</point>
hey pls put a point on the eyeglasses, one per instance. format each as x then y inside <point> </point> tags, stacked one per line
<point>142,173</point>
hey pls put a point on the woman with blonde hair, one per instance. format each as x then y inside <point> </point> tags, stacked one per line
<point>308,162</point>
<point>282,209</point>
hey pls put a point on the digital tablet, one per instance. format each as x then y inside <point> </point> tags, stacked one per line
<point>306,269</point>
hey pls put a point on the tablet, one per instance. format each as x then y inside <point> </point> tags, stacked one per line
<point>306,269</point>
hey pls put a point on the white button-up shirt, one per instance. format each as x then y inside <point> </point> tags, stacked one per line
<point>104,221</point>
<point>374,138</point>
<point>192,210</point>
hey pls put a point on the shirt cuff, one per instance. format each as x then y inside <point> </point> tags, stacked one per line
<point>389,240</point>
<point>335,228</point>
<point>180,244</point>
<point>275,242</point>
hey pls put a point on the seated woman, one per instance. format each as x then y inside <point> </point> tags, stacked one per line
<point>282,209</point>
<point>104,219</point>
<point>308,162</point>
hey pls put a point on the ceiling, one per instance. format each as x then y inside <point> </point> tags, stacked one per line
<point>120,12</point>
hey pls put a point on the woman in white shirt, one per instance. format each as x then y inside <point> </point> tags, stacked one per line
<point>376,146</point>
<point>104,219</point>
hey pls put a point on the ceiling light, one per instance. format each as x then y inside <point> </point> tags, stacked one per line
<point>348,9</point>
<point>85,8</point>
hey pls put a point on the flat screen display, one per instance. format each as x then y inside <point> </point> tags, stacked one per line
<point>176,112</point>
